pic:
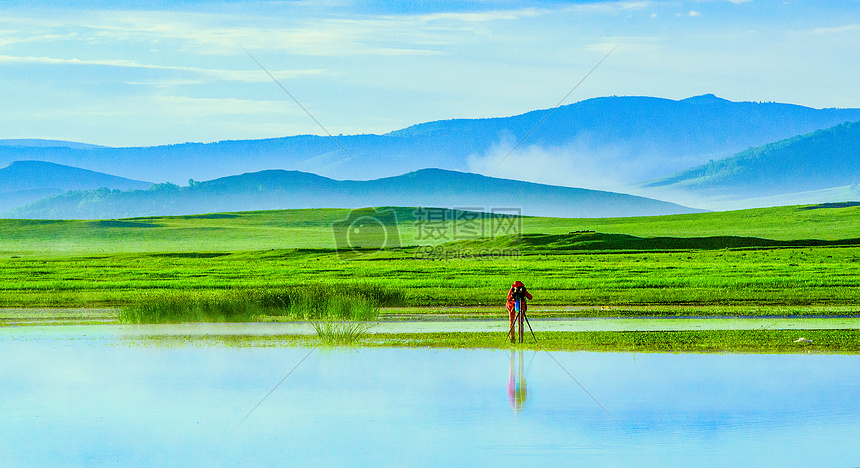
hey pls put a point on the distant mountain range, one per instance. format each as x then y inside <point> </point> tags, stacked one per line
<point>279,189</point>
<point>23,182</point>
<point>814,164</point>
<point>702,151</point>
<point>601,143</point>
<point>36,143</point>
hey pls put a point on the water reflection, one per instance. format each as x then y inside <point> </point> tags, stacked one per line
<point>517,389</point>
<point>97,398</point>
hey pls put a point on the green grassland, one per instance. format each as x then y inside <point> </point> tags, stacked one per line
<point>312,229</point>
<point>761,261</point>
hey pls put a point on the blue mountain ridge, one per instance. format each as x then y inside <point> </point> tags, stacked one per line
<point>658,137</point>
<point>23,182</point>
<point>280,189</point>
<point>40,143</point>
<point>818,160</point>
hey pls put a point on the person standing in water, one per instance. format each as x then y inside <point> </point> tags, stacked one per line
<point>518,291</point>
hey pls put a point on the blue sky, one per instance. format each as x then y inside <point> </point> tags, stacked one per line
<point>129,73</point>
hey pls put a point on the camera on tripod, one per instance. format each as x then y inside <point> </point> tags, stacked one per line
<point>518,292</point>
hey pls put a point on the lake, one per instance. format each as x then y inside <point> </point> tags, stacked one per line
<point>92,396</point>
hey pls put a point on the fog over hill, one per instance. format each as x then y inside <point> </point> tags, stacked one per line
<point>602,143</point>
<point>279,189</point>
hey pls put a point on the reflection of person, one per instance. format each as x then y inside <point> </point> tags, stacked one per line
<point>517,382</point>
<point>518,291</point>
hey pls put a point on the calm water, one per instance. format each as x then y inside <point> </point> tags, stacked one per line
<point>98,399</point>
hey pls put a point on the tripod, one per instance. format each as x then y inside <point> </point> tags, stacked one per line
<point>521,319</point>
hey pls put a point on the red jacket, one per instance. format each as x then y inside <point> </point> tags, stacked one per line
<point>514,286</point>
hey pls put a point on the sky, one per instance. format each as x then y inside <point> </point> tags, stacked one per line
<point>142,73</point>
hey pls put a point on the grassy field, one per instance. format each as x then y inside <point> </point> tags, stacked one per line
<point>312,229</point>
<point>773,277</point>
<point>704,262</point>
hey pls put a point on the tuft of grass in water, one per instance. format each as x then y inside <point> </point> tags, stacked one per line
<point>332,332</point>
<point>357,302</point>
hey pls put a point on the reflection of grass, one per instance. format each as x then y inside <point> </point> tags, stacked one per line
<point>39,317</point>
<point>302,302</point>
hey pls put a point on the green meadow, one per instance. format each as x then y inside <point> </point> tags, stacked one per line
<point>312,229</point>
<point>777,261</point>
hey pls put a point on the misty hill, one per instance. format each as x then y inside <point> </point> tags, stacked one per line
<point>23,182</point>
<point>278,189</point>
<point>597,143</point>
<point>37,143</point>
<point>820,160</point>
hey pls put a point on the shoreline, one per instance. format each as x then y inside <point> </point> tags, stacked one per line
<point>643,335</point>
<point>557,318</point>
<point>272,328</point>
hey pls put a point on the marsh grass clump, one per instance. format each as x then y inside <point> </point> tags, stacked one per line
<point>313,302</point>
<point>333,332</point>
<point>181,307</point>
<point>324,302</point>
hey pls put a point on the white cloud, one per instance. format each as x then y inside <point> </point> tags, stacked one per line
<point>58,61</point>
<point>476,17</point>
<point>10,37</point>
<point>611,7</point>
<point>205,74</point>
<point>837,30</point>
<point>694,13</point>
<point>213,34</point>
